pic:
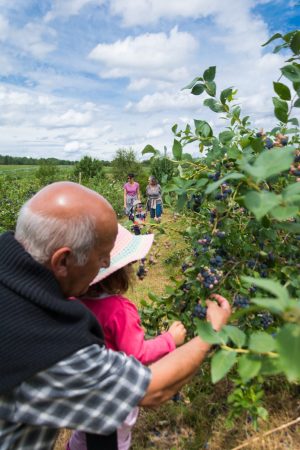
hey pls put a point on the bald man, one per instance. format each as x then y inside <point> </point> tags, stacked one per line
<point>55,370</point>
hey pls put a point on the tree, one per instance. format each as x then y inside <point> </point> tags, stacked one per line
<point>88,168</point>
<point>47,172</point>
<point>125,162</point>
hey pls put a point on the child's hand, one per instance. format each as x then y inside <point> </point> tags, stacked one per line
<point>178,332</point>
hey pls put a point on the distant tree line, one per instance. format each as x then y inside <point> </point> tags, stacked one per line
<point>24,160</point>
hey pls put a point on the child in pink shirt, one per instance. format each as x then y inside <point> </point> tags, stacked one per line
<point>120,320</point>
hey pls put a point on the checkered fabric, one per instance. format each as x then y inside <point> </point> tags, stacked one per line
<point>92,390</point>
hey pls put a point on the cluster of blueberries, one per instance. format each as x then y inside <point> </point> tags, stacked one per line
<point>195,202</point>
<point>240,301</point>
<point>225,192</point>
<point>216,261</point>
<point>280,140</point>
<point>266,319</point>
<point>205,242</point>
<point>214,176</point>
<point>209,277</point>
<point>212,215</point>
<point>199,311</point>
<point>186,287</point>
<point>262,267</point>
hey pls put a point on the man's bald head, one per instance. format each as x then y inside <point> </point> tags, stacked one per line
<point>66,200</point>
<point>70,216</point>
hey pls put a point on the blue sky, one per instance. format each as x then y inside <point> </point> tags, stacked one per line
<point>86,77</point>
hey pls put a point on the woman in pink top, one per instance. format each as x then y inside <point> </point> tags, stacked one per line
<point>131,193</point>
<point>120,320</point>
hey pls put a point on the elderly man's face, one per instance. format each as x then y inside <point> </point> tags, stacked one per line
<point>80,277</point>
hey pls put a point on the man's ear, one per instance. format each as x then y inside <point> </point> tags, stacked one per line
<point>59,262</point>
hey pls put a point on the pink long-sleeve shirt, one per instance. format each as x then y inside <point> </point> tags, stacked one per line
<point>122,329</point>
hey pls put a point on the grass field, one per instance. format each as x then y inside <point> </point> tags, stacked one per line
<point>24,171</point>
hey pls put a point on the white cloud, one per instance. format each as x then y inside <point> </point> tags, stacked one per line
<point>155,132</point>
<point>162,101</point>
<point>70,118</point>
<point>66,8</point>
<point>152,55</point>
<point>4,28</point>
<point>33,38</point>
<point>150,11</point>
<point>75,146</point>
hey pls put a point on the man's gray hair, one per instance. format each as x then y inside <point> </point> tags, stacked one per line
<point>41,235</point>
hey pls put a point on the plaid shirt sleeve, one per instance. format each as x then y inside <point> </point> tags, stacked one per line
<point>92,390</point>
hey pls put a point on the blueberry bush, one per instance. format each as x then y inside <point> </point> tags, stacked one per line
<point>240,200</point>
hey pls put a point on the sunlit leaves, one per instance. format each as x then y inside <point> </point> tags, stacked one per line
<point>295,43</point>
<point>282,91</point>
<point>269,163</point>
<point>248,367</point>
<point>281,109</point>
<point>177,150</point>
<point>236,335</point>
<point>221,363</point>
<point>292,72</point>
<point>261,342</point>
<point>288,347</point>
<point>209,74</point>
<point>214,105</point>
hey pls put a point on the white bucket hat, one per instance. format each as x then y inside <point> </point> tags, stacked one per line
<point>128,248</point>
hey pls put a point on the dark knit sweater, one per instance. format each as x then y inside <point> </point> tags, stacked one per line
<point>38,326</point>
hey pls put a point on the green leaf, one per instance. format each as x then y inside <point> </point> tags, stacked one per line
<point>231,176</point>
<point>248,367</point>
<point>257,144</point>
<point>274,287</point>
<point>192,83</point>
<point>269,163</point>
<point>275,36</point>
<point>291,193</point>
<point>211,88</point>
<point>261,342</point>
<point>295,43</point>
<point>226,94</point>
<point>275,306</point>
<point>260,203</point>
<point>214,105</point>
<point>187,157</point>
<point>262,413</point>
<point>236,335</point>
<point>292,72</point>
<point>297,103</point>
<point>150,149</point>
<point>174,128</point>
<point>270,366</point>
<point>181,201</point>
<point>226,136</point>
<point>209,74</point>
<point>288,347</point>
<point>198,89</point>
<point>289,227</point>
<point>281,109</point>
<point>221,363</point>
<point>282,91</point>
<point>283,213</point>
<point>177,150</point>
<point>233,152</point>
<point>207,333</point>
<point>202,128</point>
<point>201,182</point>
